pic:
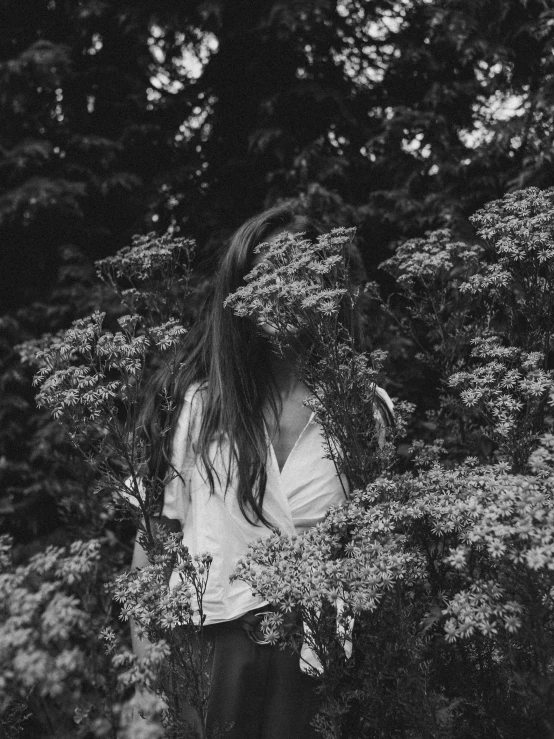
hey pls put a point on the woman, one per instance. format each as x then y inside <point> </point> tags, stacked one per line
<point>251,459</point>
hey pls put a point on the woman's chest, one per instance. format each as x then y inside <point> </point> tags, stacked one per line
<point>285,433</point>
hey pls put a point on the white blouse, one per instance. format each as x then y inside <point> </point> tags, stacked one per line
<point>296,498</point>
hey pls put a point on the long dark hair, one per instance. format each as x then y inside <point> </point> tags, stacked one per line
<point>227,355</point>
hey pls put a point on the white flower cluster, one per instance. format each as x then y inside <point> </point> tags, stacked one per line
<point>43,621</point>
<point>495,531</point>
<point>147,598</point>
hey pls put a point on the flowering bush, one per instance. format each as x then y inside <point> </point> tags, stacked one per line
<point>467,551</point>
<point>303,292</point>
<point>470,548</point>
<point>483,315</point>
<point>91,378</point>
<point>153,277</point>
<point>427,599</point>
<point>171,618</point>
<point>49,656</point>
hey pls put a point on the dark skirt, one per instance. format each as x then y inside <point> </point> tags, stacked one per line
<point>258,690</point>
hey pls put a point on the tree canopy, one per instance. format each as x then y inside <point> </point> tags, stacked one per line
<point>393,116</point>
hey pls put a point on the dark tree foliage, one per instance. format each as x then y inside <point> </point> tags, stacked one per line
<point>79,152</point>
<point>123,117</point>
<point>389,115</point>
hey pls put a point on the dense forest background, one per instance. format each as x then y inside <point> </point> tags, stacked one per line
<point>118,118</point>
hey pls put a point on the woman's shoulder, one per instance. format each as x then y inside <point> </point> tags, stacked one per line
<point>196,392</point>
<point>383,408</point>
<point>188,420</point>
<point>193,402</point>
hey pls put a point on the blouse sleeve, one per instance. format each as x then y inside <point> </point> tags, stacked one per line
<point>183,457</point>
<point>385,397</point>
<point>177,490</point>
<point>381,421</point>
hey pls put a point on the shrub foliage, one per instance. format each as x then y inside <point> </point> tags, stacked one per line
<point>427,599</point>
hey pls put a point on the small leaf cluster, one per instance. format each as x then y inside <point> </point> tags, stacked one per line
<point>511,391</point>
<point>146,597</point>
<point>296,280</point>
<point>152,277</point>
<point>44,621</point>
<point>516,280</point>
